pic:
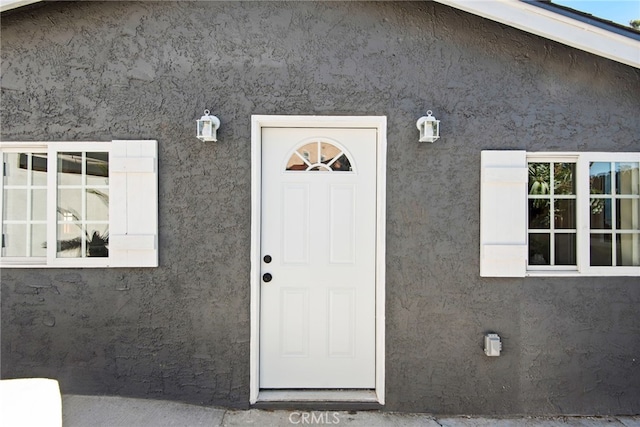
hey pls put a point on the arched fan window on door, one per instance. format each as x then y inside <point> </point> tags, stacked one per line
<point>319,156</point>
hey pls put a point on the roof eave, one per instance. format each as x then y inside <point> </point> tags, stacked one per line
<point>13,4</point>
<point>554,26</point>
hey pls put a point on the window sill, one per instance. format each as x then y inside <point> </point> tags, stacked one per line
<point>591,272</point>
<point>58,263</point>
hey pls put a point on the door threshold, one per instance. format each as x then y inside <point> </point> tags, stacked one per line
<point>318,399</point>
<point>317,396</point>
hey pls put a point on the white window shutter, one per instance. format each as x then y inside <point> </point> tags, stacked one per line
<point>133,204</point>
<point>503,214</point>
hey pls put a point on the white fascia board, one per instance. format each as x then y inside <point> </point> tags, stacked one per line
<point>553,26</point>
<point>12,4</point>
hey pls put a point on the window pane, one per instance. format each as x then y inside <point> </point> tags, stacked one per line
<point>14,240</point>
<point>628,214</point>
<point>97,205</point>
<point>15,204</point>
<point>39,205</point>
<point>628,249</point>
<point>39,169</point>
<point>627,178</point>
<point>539,250</point>
<point>341,164</point>
<point>15,172</point>
<point>328,152</point>
<point>98,240</point>
<point>600,214</point>
<point>600,249</point>
<point>539,178</point>
<point>71,237</point>
<point>565,249</point>
<point>97,167</point>
<point>69,243</point>
<point>309,152</point>
<point>565,214</point>
<point>70,202</point>
<point>600,178</point>
<point>296,163</point>
<point>539,213</point>
<point>38,240</point>
<point>325,156</point>
<point>67,219</point>
<point>563,178</point>
<point>69,168</point>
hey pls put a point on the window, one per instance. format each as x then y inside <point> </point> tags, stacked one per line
<point>614,214</point>
<point>80,204</point>
<point>319,156</point>
<point>552,213</point>
<point>560,214</point>
<point>24,225</point>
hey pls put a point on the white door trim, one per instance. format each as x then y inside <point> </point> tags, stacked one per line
<point>257,123</point>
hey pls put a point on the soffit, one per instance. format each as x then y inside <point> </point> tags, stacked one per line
<point>555,26</point>
<point>12,4</point>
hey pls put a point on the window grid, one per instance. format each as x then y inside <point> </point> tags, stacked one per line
<point>81,221</point>
<point>615,229</point>
<point>28,189</point>
<point>552,231</point>
<point>506,212</point>
<point>319,156</point>
<point>126,225</point>
<point>611,198</point>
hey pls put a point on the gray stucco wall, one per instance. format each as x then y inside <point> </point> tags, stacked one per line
<point>103,71</point>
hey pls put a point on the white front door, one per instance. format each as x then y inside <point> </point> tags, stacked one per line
<point>318,258</point>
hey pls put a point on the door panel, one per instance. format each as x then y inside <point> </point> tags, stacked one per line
<point>342,221</point>
<point>317,313</point>
<point>295,223</point>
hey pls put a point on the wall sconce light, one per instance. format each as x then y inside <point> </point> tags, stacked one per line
<point>207,127</point>
<point>429,128</point>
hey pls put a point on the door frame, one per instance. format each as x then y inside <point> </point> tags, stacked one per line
<point>372,122</point>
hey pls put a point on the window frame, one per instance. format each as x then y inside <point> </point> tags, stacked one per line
<point>323,167</point>
<point>583,228</point>
<point>21,148</point>
<point>133,192</point>
<point>554,159</point>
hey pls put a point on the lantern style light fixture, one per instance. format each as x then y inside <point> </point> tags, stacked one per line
<point>207,127</point>
<point>429,128</point>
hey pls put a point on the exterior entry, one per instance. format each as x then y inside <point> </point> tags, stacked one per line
<point>522,219</point>
<point>318,258</point>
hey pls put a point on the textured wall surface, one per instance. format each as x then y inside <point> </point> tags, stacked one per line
<point>101,71</point>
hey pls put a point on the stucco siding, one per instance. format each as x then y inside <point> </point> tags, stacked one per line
<point>83,71</point>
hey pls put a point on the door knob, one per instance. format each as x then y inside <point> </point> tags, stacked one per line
<point>267,259</point>
<point>267,277</point>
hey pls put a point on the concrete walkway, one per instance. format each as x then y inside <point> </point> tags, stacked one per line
<point>103,411</point>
